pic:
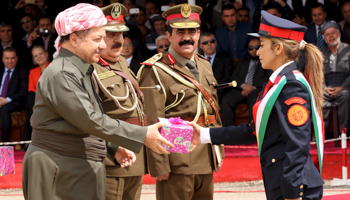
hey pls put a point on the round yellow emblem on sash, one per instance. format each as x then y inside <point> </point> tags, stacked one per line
<point>297,115</point>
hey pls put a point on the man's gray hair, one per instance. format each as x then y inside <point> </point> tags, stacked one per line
<point>161,37</point>
<point>4,24</point>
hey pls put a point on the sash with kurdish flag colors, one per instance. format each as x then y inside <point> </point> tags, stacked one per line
<point>262,110</point>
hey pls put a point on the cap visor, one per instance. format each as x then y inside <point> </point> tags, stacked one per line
<point>117,28</point>
<point>185,25</point>
<point>255,34</point>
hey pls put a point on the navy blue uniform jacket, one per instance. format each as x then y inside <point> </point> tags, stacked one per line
<point>287,167</point>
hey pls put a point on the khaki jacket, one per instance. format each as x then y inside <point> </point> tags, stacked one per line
<point>202,160</point>
<point>117,86</point>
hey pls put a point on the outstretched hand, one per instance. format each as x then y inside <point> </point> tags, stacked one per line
<point>196,140</point>
<point>124,157</point>
<point>154,140</point>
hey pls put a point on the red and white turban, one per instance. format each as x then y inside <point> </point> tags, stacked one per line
<point>79,17</point>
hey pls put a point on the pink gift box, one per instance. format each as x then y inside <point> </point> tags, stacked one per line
<point>7,161</point>
<point>179,133</point>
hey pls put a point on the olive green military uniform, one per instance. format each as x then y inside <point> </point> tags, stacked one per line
<point>122,183</point>
<point>191,175</point>
<point>64,160</point>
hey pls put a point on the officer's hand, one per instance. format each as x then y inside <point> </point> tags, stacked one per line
<point>218,167</point>
<point>163,177</point>
<point>124,157</point>
<point>154,140</point>
<point>196,140</point>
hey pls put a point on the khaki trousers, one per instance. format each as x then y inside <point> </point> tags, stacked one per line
<point>123,188</point>
<point>186,187</point>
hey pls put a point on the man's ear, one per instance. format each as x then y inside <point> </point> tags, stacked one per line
<point>73,39</point>
<point>168,36</point>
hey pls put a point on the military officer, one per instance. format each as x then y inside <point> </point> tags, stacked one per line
<point>187,91</point>
<point>121,99</point>
<point>64,160</point>
<point>288,106</point>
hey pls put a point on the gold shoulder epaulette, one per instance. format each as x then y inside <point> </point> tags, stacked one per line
<point>153,59</point>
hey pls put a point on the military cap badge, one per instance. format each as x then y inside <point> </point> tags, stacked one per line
<point>116,11</point>
<point>185,10</point>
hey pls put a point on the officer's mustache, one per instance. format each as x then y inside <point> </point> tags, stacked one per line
<point>186,42</point>
<point>116,45</point>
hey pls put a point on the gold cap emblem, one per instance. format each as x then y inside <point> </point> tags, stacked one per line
<point>116,11</point>
<point>185,10</point>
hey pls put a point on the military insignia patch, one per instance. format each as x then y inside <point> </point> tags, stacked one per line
<point>116,11</point>
<point>297,115</point>
<point>296,100</point>
<point>185,10</point>
<point>105,75</point>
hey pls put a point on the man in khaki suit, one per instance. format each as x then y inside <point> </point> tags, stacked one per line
<point>64,160</point>
<point>120,100</point>
<point>187,91</point>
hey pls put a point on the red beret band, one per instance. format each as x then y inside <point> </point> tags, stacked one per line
<point>282,33</point>
<point>110,18</point>
<point>177,16</point>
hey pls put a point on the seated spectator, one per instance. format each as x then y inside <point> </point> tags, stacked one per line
<point>273,10</point>
<point>7,40</point>
<point>129,4</point>
<point>46,38</point>
<point>345,24</point>
<point>127,53</point>
<point>243,14</point>
<point>151,9</point>
<point>140,20</point>
<point>336,75</point>
<point>28,24</point>
<point>285,10</point>
<point>40,57</point>
<point>222,65</point>
<point>158,27</point>
<point>313,34</point>
<point>162,43</point>
<point>14,89</point>
<point>250,77</point>
<point>299,18</point>
<point>232,38</point>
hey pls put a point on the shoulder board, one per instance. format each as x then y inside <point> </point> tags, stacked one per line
<point>200,56</point>
<point>153,59</point>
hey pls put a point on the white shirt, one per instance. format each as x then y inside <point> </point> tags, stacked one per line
<point>129,60</point>
<point>205,132</point>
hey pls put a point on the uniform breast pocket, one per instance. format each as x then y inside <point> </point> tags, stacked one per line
<point>115,85</point>
<point>180,97</point>
<point>211,81</point>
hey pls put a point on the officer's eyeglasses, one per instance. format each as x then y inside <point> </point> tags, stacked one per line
<point>26,21</point>
<point>250,48</point>
<point>163,46</point>
<point>206,42</point>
